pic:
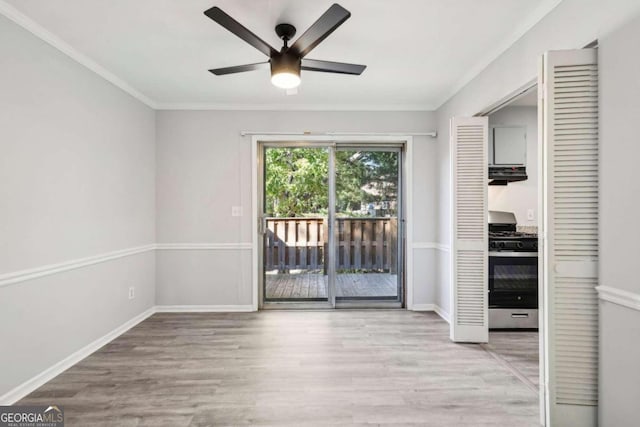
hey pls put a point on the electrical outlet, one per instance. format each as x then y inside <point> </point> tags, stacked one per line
<point>530,216</point>
<point>132,293</point>
<point>236,210</point>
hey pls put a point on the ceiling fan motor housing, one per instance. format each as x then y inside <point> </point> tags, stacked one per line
<point>286,62</point>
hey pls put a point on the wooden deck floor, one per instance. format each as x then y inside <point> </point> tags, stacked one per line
<point>314,285</point>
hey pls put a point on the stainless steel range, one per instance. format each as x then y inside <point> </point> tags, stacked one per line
<point>513,274</point>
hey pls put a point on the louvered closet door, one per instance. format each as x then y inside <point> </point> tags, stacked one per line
<point>570,224</point>
<point>469,227</point>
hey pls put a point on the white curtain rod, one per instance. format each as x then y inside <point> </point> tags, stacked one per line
<point>432,134</point>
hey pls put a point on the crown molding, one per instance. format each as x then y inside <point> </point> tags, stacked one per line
<point>292,107</point>
<point>541,11</point>
<point>39,31</point>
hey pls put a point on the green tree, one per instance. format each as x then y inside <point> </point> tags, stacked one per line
<point>366,177</point>
<point>296,180</point>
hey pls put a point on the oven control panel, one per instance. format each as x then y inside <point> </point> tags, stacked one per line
<point>529,245</point>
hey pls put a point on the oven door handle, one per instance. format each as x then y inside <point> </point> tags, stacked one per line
<point>519,315</point>
<point>514,254</point>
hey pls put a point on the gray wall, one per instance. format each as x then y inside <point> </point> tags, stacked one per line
<point>76,180</point>
<point>518,197</point>
<point>619,233</point>
<point>571,25</point>
<point>204,168</point>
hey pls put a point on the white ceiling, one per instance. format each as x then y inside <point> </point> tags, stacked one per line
<point>418,52</point>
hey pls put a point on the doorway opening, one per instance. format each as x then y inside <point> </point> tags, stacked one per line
<point>567,219</point>
<point>331,228</point>
<point>515,296</point>
<point>514,300</point>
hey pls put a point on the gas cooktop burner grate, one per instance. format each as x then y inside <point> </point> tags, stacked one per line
<point>512,234</point>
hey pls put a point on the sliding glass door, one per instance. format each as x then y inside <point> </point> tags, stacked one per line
<point>330,225</point>
<point>295,224</point>
<point>367,248</point>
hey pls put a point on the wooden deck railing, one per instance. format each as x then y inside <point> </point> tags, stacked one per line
<point>301,243</point>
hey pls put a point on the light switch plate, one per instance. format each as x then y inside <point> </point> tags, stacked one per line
<point>530,215</point>
<point>236,210</point>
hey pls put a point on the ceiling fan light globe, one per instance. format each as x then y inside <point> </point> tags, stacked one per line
<point>285,80</point>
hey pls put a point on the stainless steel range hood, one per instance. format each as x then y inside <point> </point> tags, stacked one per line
<point>502,175</point>
<point>507,154</point>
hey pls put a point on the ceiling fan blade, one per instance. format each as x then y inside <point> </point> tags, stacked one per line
<point>320,30</point>
<point>238,68</point>
<point>219,16</point>
<point>332,67</point>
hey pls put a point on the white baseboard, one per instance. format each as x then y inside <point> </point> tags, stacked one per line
<point>431,307</point>
<point>423,307</point>
<point>441,313</point>
<point>203,308</point>
<point>47,375</point>
<point>50,373</point>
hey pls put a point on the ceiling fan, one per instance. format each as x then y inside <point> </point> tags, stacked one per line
<point>287,63</point>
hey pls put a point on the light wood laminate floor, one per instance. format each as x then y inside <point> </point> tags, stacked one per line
<point>519,351</point>
<point>295,368</point>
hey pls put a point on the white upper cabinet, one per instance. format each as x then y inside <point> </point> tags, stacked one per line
<point>508,146</point>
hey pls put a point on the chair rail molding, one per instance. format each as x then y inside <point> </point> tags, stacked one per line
<point>430,245</point>
<point>204,246</point>
<point>15,277</point>
<point>46,270</point>
<point>619,296</point>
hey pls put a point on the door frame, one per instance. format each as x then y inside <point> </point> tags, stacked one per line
<point>368,302</point>
<point>320,140</point>
<point>259,208</point>
<point>534,84</point>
